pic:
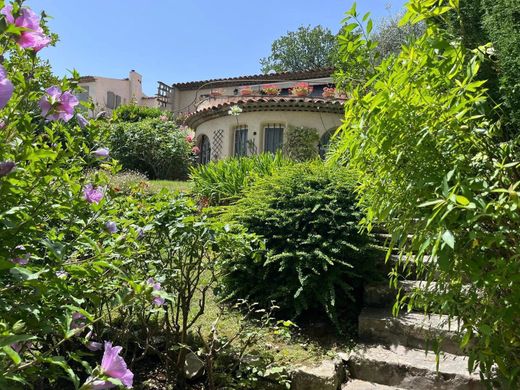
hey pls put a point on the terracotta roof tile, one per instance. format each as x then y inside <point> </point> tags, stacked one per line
<point>257,79</point>
<point>221,106</point>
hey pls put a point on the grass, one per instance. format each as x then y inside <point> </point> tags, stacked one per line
<point>288,349</point>
<point>170,185</point>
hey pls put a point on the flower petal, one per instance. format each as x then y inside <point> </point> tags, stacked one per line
<point>7,11</point>
<point>6,91</point>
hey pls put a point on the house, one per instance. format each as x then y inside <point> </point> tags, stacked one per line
<point>267,105</point>
<point>107,93</point>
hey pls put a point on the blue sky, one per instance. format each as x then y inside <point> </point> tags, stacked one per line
<point>182,40</point>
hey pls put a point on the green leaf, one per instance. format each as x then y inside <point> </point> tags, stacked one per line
<point>61,362</point>
<point>369,26</point>
<point>8,340</point>
<point>485,329</point>
<point>431,203</point>
<point>12,354</point>
<point>465,339</point>
<point>449,239</point>
<point>462,200</point>
<point>41,154</point>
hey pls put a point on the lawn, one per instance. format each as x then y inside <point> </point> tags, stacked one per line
<point>171,185</point>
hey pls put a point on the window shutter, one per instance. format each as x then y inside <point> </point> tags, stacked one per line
<point>111,99</point>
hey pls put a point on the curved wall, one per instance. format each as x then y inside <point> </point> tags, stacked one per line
<point>257,121</point>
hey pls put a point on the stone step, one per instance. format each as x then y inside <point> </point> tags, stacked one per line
<point>382,295</point>
<point>409,368</point>
<point>414,330</point>
<point>355,384</point>
<point>329,375</point>
<point>406,267</point>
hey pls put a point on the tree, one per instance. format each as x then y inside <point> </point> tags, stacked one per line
<point>305,49</point>
<point>391,36</point>
<point>386,39</point>
<point>479,22</point>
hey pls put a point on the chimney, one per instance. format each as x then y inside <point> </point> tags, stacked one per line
<point>136,87</point>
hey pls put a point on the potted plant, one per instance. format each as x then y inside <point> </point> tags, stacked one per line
<point>216,92</point>
<point>329,92</point>
<point>271,90</point>
<point>301,89</point>
<point>246,91</point>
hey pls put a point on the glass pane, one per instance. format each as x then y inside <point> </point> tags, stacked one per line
<point>241,141</point>
<point>205,150</point>
<point>273,139</point>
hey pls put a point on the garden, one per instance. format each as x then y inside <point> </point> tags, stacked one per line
<point>125,264</point>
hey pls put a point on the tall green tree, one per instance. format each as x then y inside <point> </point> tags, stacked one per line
<point>391,36</point>
<point>495,22</point>
<point>304,49</point>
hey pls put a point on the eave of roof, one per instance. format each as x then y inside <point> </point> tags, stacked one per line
<point>265,103</point>
<point>256,79</point>
<point>87,79</point>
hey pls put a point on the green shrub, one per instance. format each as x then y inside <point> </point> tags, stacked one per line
<point>422,139</point>
<point>134,113</point>
<point>65,239</point>
<point>179,248</point>
<point>155,147</point>
<point>315,257</point>
<point>127,181</point>
<point>301,143</point>
<point>224,181</point>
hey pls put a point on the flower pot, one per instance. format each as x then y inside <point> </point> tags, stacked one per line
<point>271,90</point>
<point>329,92</point>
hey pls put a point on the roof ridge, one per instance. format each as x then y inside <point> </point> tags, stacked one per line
<point>250,79</point>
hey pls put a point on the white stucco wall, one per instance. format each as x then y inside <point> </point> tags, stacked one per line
<point>256,122</point>
<point>149,102</point>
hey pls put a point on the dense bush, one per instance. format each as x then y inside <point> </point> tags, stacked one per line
<point>422,139</point>
<point>301,143</point>
<point>135,113</point>
<point>225,180</point>
<point>315,258</point>
<point>155,147</point>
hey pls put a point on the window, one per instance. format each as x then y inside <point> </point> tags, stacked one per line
<point>273,138</point>
<point>205,150</point>
<point>83,95</point>
<point>241,141</point>
<point>113,100</point>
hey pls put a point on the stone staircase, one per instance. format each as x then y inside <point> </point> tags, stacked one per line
<point>397,352</point>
